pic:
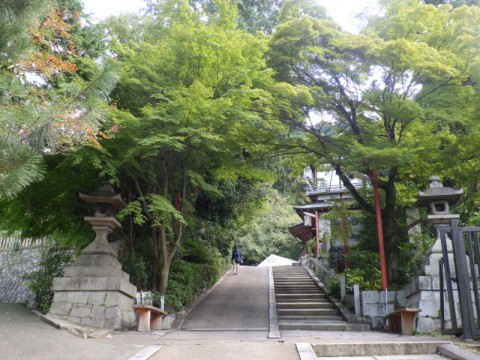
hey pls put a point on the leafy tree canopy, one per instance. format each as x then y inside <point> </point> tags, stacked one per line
<point>409,75</point>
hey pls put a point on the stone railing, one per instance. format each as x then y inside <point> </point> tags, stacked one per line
<point>16,243</point>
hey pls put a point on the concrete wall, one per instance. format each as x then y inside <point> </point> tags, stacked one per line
<point>17,259</point>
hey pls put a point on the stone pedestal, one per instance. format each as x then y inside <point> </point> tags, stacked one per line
<point>95,291</point>
<point>424,291</point>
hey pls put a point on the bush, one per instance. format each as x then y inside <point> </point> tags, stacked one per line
<point>334,285</point>
<point>41,281</point>
<point>136,267</point>
<point>364,270</point>
<point>311,246</point>
<point>188,280</point>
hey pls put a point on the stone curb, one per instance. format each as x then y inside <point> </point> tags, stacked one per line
<point>448,350</point>
<point>73,329</point>
<point>454,352</point>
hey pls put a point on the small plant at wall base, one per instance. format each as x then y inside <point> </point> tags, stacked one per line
<point>312,246</point>
<point>41,281</point>
<point>364,270</point>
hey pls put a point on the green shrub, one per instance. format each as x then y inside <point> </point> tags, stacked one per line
<point>41,281</point>
<point>334,285</point>
<point>364,270</point>
<point>136,267</point>
<point>312,246</point>
<point>188,280</point>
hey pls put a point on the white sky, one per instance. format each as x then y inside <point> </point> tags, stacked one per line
<point>105,8</point>
<point>343,11</point>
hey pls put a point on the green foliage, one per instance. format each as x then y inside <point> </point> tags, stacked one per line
<point>334,285</point>
<point>196,251</point>
<point>20,165</point>
<point>397,99</point>
<point>41,281</point>
<point>51,110</point>
<point>364,270</point>
<point>34,213</point>
<point>135,266</point>
<point>188,280</point>
<point>267,233</point>
<point>311,246</point>
<point>17,19</point>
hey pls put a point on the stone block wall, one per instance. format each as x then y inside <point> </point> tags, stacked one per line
<point>375,305</point>
<point>98,309</point>
<point>16,262</point>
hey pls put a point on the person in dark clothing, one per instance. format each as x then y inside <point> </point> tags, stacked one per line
<point>237,259</point>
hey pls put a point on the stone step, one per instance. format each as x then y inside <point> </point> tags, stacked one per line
<point>316,326</point>
<point>310,318</point>
<point>305,305</point>
<point>301,297</point>
<point>288,274</point>
<point>293,282</point>
<point>296,283</point>
<point>306,312</point>
<point>297,289</point>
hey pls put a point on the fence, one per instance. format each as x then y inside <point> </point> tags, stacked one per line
<point>16,243</point>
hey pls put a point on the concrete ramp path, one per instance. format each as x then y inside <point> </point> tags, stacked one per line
<point>238,302</point>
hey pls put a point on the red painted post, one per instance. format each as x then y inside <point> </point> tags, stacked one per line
<point>378,212</point>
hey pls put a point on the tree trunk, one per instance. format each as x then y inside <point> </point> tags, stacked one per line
<point>164,274</point>
<point>154,259</point>
<point>390,229</point>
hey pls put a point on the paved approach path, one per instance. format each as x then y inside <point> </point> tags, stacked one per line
<point>229,323</point>
<point>239,303</point>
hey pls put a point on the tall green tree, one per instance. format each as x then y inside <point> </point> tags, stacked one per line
<point>195,91</point>
<point>383,92</point>
<point>19,164</point>
<point>40,116</point>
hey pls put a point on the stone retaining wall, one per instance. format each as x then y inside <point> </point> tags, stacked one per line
<point>16,262</point>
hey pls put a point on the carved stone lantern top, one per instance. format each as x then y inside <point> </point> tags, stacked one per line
<point>104,199</point>
<point>437,197</point>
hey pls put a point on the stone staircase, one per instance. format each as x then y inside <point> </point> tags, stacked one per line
<point>303,305</point>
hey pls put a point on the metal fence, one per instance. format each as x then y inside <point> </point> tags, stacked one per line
<point>462,286</point>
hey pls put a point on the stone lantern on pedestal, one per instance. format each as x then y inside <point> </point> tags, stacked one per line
<point>424,291</point>
<point>105,203</point>
<point>438,200</point>
<point>95,291</point>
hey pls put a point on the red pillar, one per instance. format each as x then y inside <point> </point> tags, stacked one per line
<point>378,212</point>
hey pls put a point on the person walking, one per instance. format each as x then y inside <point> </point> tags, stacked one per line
<point>237,259</point>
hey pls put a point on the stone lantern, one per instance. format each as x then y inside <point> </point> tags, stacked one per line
<point>424,291</point>
<point>95,291</point>
<point>105,202</point>
<point>438,200</point>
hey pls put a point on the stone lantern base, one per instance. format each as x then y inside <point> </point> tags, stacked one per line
<point>95,291</point>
